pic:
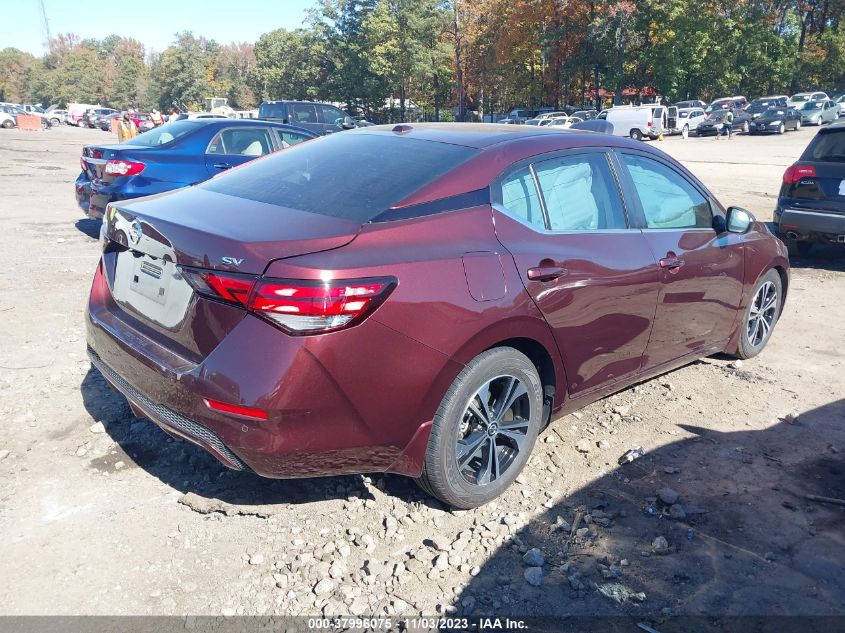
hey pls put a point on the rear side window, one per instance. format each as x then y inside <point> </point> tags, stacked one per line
<point>353,176</point>
<point>165,133</point>
<point>827,147</point>
<point>519,197</point>
<point>580,193</point>
<point>241,142</point>
<point>669,200</point>
<point>304,113</point>
<point>291,138</point>
<point>272,111</point>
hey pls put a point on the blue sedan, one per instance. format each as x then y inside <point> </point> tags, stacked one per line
<point>175,155</point>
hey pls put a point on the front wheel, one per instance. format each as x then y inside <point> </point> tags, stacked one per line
<point>761,315</point>
<point>685,132</point>
<point>8,124</point>
<point>781,129</point>
<point>484,430</point>
<point>797,125</point>
<point>745,127</point>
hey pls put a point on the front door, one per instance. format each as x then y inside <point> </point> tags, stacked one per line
<point>701,271</point>
<point>332,118</point>
<point>594,279</point>
<point>303,114</point>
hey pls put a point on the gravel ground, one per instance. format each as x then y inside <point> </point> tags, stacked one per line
<point>102,513</point>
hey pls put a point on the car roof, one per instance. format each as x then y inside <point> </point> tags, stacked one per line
<point>227,122</point>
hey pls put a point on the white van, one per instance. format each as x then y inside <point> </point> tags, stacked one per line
<point>649,120</point>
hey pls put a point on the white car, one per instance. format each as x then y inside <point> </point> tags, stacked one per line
<point>797,100</point>
<point>564,122</point>
<point>689,118</point>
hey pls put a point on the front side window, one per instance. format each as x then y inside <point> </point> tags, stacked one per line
<point>580,193</point>
<point>669,200</point>
<point>241,142</point>
<point>332,115</point>
<point>519,197</point>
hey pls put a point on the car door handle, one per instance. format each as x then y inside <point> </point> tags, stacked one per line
<point>546,273</point>
<point>221,165</point>
<point>671,263</point>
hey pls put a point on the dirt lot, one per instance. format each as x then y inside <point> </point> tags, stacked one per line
<point>101,513</point>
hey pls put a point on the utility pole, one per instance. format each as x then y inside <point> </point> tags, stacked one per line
<point>46,26</point>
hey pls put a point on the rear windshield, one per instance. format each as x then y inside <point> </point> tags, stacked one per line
<point>165,133</point>
<point>829,146</point>
<point>272,111</point>
<point>352,176</point>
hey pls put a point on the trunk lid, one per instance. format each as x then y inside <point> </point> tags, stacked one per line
<point>196,227</point>
<point>823,192</point>
<point>193,227</point>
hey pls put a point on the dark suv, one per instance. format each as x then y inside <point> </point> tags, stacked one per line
<point>321,118</point>
<point>811,204</point>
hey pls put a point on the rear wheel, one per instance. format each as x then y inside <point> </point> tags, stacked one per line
<point>636,135</point>
<point>685,132</point>
<point>761,315</point>
<point>745,127</point>
<point>484,430</point>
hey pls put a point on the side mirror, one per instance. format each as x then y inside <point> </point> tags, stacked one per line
<point>348,123</point>
<point>739,220</point>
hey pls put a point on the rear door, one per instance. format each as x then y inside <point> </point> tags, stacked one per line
<point>594,279</point>
<point>305,115</point>
<point>672,118</point>
<point>701,272</point>
<point>234,146</point>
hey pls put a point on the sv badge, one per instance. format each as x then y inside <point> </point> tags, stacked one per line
<point>233,261</point>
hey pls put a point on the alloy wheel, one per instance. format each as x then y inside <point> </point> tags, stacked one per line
<point>762,315</point>
<point>493,429</point>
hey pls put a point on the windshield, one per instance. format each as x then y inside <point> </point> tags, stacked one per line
<point>165,133</point>
<point>771,112</point>
<point>353,176</point>
<point>813,105</point>
<point>827,147</point>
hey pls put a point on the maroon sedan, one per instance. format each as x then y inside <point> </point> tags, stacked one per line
<point>421,299</point>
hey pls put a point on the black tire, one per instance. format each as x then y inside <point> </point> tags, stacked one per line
<point>8,124</point>
<point>442,476</point>
<point>637,135</point>
<point>781,129</point>
<point>745,127</point>
<point>749,344</point>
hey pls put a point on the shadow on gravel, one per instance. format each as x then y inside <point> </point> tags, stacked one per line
<point>823,257</point>
<point>89,227</point>
<point>190,469</point>
<point>743,541</point>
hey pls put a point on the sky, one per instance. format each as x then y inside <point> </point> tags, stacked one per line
<point>152,22</point>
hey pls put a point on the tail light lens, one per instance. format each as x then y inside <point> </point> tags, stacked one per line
<point>306,307</point>
<point>794,173</point>
<point>124,168</point>
<point>236,409</point>
<point>298,306</point>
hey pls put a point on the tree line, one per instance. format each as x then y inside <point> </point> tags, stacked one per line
<point>459,58</point>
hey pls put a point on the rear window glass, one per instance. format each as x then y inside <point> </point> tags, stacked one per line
<point>273,111</point>
<point>829,146</point>
<point>165,133</point>
<point>350,176</point>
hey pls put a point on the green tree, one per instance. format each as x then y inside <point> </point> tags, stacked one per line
<point>288,65</point>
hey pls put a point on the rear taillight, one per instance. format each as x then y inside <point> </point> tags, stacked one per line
<point>124,168</point>
<point>296,306</point>
<point>307,307</point>
<point>230,288</point>
<point>794,173</point>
